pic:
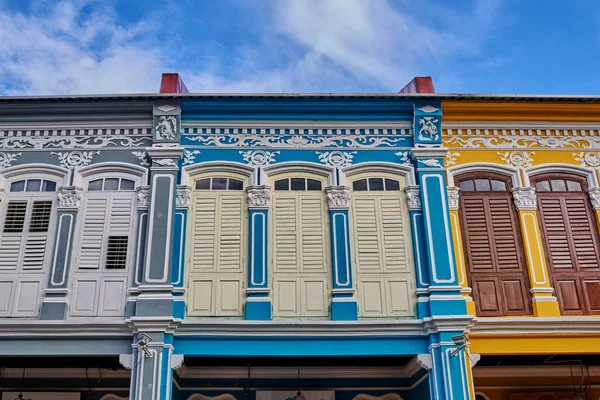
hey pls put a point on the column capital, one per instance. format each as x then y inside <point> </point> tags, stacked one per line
<point>143,197</point>
<point>165,157</point>
<point>429,152</point>
<point>2,193</point>
<point>413,197</point>
<point>70,198</point>
<point>594,194</point>
<point>182,199</point>
<point>258,196</point>
<point>453,197</point>
<point>524,198</point>
<point>338,197</point>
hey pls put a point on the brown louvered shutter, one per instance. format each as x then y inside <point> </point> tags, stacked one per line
<point>495,266</point>
<point>571,242</point>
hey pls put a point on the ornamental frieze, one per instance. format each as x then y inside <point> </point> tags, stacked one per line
<point>522,138</point>
<point>58,142</point>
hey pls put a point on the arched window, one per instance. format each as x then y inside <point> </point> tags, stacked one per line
<point>382,246</point>
<point>104,247</point>
<point>571,242</point>
<point>300,246</point>
<point>27,219</point>
<point>495,261</point>
<point>217,245</point>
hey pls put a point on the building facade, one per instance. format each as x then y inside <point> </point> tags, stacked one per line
<point>195,246</point>
<point>523,190</point>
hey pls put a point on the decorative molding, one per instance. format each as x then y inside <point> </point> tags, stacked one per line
<point>336,159</point>
<point>594,194</point>
<point>143,196</point>
<point>428,130</point>
<point>259,158</point>
<point>451,158</point>
<point>428,109</point>
<point>176,361</point>
<point>189,156</point>
<point>70,197</point>
<point>430,162</point>
<point>511,138</point>
<point>166,128</point>
<point>182,199</point>
<point>453,197</point>
<point>588,159</point>
<point>2,193</point>
<point>413,197</point>
<point>404,158</point>
<point>143,157</point>
<point>524,198</point>
<point>519,159</point>
<point>62,142</point>
<point>6,159</point>
<point>259,196</point>
<point>338,197</point>
<point>74,159</point>
<point>425,361</point>
<point>165,162</point>
<point>474,358</point>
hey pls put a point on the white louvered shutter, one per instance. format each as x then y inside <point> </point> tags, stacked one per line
<point>93,233</point>
<point>382,254</point>
<point>37,235</point>
<point>13,234</point>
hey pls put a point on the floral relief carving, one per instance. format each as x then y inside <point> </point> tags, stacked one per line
<point>69,197</point>
<point>6,159</point>
<point>143,197</point>
<point>404,158</point>
<point>259,196</point>
<point>74,159</point>
<point>594,194</point>
<point>189,156</point>
<point>259,158</point>
<point>336,158</point>
<point>428,129</point>
<point>165,162</point>
<point>518,159</point>
<point>143,157</point>
<point>41,142</point>
<point>588,159</point>
<point>524,198</point>
<point>451,158</point>
<point>166,129</point>
<point>430,162</point>
<point>413,197</point>
<point>453,197</point>
<point>338,197</point>
<point>182,200</point>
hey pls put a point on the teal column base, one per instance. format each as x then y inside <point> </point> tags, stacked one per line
<point>344,310</point>
<point>258,310</point>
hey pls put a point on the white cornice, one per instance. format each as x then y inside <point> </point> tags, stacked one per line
<point>88,124</point>
<point>518,125</point>
<point>536,325</point>
<point>96,328</point>
<point>301,328</point>
<point>91,373</point>
<point>542,371</point>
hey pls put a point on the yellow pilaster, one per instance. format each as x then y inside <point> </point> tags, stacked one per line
<point>458,250</point>
<point>543,302</point>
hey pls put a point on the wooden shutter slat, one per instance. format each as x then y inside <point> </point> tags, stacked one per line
<point>231,233</point>
<point>93,230</point>
<point>366,234</point>
<point>311,214</point>
<point>205,216</point>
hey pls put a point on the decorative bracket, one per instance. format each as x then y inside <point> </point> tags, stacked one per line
<point>594,194</point>
<point>338,197</point>
<point>453,197</point>
<point>69,198</point>
<point>413,197</point>
<point>524,198</point>
<point>259,197</point>
<point>183,196</point>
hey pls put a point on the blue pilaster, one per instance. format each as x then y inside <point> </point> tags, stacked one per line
<point>343,303</point>
<point>413,197</point>
<point>182,203</point>
<point>258,303</point>
<point>449,375</point>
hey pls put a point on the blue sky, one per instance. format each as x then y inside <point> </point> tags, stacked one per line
<point>467,46</point>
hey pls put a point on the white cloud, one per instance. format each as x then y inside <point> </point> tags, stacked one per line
<point>77,46</point>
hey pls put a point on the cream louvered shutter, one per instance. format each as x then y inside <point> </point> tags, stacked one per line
<point>93,233</point>
<point>37,234</point>
<point>382,254</point>
<point>301,274</point>
<point>218,254</point>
